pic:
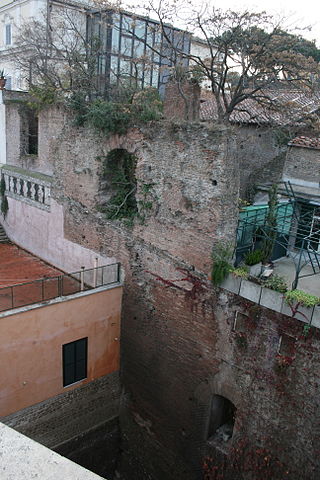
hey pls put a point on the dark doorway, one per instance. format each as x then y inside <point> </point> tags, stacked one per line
<point>222,418</point>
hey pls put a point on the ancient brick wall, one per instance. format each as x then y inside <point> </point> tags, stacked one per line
<point>261,158</point>
<point>303,164</point>
<point>184,358</point>
<point>178,345</point>
<point>182,101</point>
<point>81,424</point>
<point>194,177</point>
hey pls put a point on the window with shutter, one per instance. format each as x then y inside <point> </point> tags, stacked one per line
<point>74,359</point>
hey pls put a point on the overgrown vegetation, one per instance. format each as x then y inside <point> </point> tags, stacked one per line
<point>276,283</point>
<point>254,257</point>
<point>4,200</point>
<point>123,196</point>
<point>222,256</point>
<point>241,272</point>
<point>42,96</point>
<point>116,117</point>
<point>119,170</point>
<point>296,298</point>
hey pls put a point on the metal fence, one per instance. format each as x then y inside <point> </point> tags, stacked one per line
<point>47,288</point>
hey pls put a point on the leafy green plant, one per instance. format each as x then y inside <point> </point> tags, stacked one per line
<point>299,297</point>
<point>108,117</point>
<point>146,203</point>
<point>2,186</point>
<point>277,283</point>
<point>242,272</point>
<point>4,206</point>
<point>42,96</point>
<point>221,256</point>
<point>254,257</point>
<point>117,117</point>
<point>4,200</point>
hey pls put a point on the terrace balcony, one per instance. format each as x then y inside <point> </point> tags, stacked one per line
<point>27,280</point>
<point>59,330</point>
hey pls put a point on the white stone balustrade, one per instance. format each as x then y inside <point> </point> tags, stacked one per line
<point>27,187</point>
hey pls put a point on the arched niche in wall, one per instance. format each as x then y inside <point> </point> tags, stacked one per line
<point>221,419</point>
<point>118,185</point>
<point>216,403</point>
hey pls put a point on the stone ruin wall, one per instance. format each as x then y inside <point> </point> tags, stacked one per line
<point>178,344</point>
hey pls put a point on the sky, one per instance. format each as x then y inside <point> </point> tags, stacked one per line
<point>301,13</point>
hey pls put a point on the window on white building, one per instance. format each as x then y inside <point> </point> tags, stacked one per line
<point>8,83</point>
<point>8,34</point>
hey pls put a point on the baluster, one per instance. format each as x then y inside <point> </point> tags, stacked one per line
<point>46,200</point>
<point>41,193</point>
<point>15,181</point>
<point>7,181</point>
<point>32,190</point>
<point>25,188</point>
<point>20,186</point>
<point>10,184</point>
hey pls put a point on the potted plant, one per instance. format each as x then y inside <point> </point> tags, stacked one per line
<point>254,259</point>
<point>2,79</point>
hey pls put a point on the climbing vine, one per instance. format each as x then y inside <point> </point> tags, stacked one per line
<point>4,200</point>
<point>194,294</point>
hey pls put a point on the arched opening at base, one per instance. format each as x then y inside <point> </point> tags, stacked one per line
<point>222,419</point>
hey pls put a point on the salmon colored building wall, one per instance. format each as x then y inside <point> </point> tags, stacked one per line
<point>31,346</point>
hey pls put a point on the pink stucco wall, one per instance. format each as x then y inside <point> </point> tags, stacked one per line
<point>42,233</point>
<point>31,346</point>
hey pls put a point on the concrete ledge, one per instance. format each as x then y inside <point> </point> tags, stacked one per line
<point>271,299</point>
<point>316,317</point>
<point>23,458</point>
<point>232,284</point>
<point>308,312</point>
<point>250,290</point>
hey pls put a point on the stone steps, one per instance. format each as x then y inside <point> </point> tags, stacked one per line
<point>3,236</point>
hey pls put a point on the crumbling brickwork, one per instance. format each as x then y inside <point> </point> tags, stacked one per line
<point>178,344</point>
<point>302,164</point>
<point>182,101</point>
<point>81,424</point>
<point>261,158</point>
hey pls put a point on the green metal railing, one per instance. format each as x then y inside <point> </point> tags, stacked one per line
<point>48,288</point>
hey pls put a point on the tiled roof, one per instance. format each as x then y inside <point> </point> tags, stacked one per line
<point>287,106</point>
<point>306,142</point>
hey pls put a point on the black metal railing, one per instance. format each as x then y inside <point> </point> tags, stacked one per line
<point>48,288</point>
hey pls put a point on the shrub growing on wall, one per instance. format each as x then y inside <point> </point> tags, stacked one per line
<point>4,200</point>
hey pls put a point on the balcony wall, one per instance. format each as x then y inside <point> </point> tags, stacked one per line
<point>37,223</point>
<point>32,339</point>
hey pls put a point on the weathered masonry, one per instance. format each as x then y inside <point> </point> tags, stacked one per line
<point>200,367</point>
